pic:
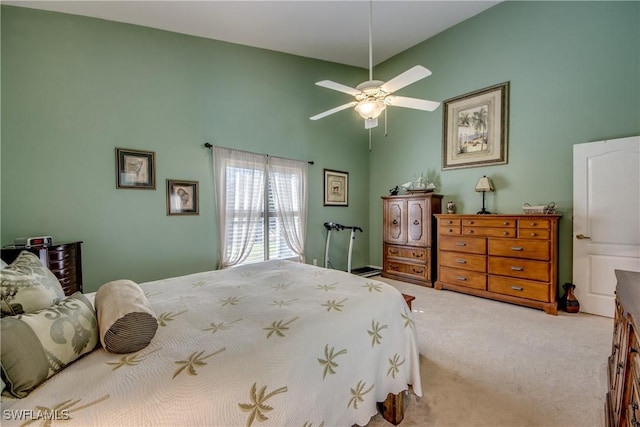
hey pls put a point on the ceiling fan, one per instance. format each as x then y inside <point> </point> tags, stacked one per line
<point>373,96</point>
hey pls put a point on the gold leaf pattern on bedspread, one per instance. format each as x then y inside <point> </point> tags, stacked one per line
<point>328,362</point>
<point>357,394</point>
<point>169,316</point>
<point>196,359</point>
<point>130,359</point>
<point>320,347</point>
<point>258,407</point>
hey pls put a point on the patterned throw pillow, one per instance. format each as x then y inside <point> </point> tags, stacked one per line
<point>27,286</point>
<point>35,346</point>
<point>126,320</point>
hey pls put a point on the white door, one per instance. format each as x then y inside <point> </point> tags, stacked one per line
<point>606,219</point>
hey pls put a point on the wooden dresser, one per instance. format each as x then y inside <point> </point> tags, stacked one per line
<point>623,395</point>
<point>409,237</point>
<point>511,258</point>
<point>63,259</point>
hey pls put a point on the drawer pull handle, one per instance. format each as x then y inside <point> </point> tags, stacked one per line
<point>394,252</point>
<point>418,271</point>
<point>505,223</point>
<point>470,222</point>
<point>517,288</point>
<point>461,278</point>
<point>461,261</point>
<point>450,230</point>
<point>516,248</point>
<point>395,222</point>
<point>415,255</point>
<point>393,267</point>
<point>514,268</point>
<point>505,233</point>
<point>533,234</point>
<point>450,222</point>
<point>471,231</point>
<point>533,224</point>
<point>461,244</point>
<point>583,237</point>
<point>416,222</point>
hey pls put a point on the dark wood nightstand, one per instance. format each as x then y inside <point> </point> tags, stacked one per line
<point>63,259</point>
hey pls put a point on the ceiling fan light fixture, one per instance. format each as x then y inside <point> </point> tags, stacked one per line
<point>370,108</point>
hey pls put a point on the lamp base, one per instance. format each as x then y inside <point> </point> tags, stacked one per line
<point>483,212</point>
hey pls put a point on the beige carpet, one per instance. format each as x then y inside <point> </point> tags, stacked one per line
<point>487,363</point>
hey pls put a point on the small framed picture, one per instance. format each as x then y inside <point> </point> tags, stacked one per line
<point>135,169</point>
<point>182,197</point>
<point>336,188</point>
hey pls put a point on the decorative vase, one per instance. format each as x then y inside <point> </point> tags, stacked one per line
<point>451,207</point>
<point>569,300</point>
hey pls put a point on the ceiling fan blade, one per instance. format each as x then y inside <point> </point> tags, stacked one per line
<point>333,110</point>
<point>417,104</point>
<point>339,87</point>
<point>412,75</point>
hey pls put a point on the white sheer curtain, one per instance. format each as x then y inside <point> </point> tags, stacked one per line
<point>288,181</point>
<point>240,179</point>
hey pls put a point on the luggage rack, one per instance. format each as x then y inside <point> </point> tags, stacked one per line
<point>362,271</point>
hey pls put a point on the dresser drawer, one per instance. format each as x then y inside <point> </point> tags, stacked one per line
<point>470,245</point>
<point>531,249</point>
<point>407,269</point>
<point>449,230</point>
<point>464,261</point>
<point>449,222</point>
<point>519,288</point>
<point>533,233</point>
<point>535,223</point>
<point>489,231</point>
<point>464,278</point>
<point>65,252</point>
<point>520,268</point>
<point>62,264</point>
<point>489,222</point>
<point>420,255</point>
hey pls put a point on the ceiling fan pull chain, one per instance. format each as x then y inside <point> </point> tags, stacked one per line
<point>385,123</point>
<point>369,139</point>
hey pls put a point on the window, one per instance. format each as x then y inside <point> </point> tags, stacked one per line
<point>261,204</point>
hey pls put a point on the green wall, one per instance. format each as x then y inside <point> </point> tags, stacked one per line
<point>74,88</point>
<point>574,72</point>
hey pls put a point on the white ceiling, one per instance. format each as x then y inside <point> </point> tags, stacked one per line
<point>331,30</point>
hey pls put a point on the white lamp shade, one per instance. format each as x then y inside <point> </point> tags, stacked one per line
<point>484,184</point>
<point>370,109</point>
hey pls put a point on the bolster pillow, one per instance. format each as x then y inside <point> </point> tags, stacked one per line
<point>126,321</point>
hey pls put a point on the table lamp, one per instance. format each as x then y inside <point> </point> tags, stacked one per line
<point>484,184</point>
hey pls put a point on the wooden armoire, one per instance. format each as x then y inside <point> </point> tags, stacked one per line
<point>409,238</point>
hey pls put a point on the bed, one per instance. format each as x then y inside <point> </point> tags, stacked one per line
<point>277,343</point>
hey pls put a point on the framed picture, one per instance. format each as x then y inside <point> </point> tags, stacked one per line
<point>135,169</point>
<point>475,128</point>
<point>336,188</point>
<point>182,197</point>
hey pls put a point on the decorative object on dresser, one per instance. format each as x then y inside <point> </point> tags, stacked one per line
<point>409,237</point>
<point>510,258</point>
<point>484,184</point>
<point>622,404</point>
<point>63,259</point>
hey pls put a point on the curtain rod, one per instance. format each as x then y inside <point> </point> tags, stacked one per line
<point>210,146</point>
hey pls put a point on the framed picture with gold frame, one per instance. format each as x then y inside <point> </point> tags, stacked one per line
<point>475,128</point>
<point>182,197</point>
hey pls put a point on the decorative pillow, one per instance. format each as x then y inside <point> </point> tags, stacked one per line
<point>27,286</point>
<point>35,346</point>
<point>126,321</point>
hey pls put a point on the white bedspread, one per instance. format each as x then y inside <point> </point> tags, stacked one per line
<point>270,344</point>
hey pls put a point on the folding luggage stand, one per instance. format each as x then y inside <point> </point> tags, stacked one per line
<point>363,271</point>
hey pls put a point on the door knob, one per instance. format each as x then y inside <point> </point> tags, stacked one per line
<point>583,237</point>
